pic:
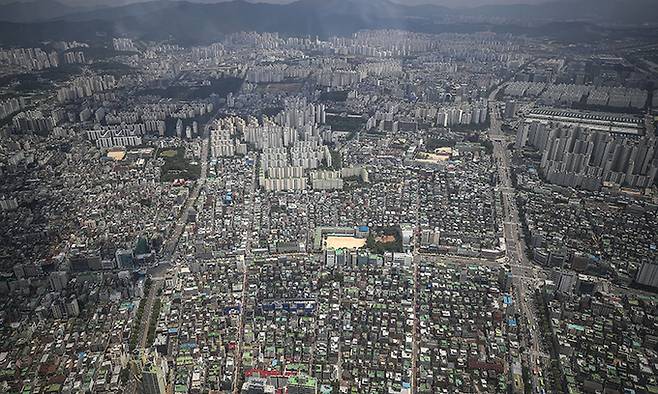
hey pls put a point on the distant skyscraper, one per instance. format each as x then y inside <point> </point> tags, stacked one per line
<point>581,157</point>
<point>647,275</point>
<point>58,280</point>
<point>179,128</point>
<point>510,109</point>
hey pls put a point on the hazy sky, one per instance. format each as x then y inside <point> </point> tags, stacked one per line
<point>469,3</point>
<point>449,3</point>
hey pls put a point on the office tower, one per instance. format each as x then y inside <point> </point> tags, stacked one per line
<point>647,275</point>
<point>179,128</point>
<point>58,280</point>
<point>510,109</point>
<point>72,308</point>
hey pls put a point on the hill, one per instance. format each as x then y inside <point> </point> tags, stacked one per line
<point>187,22</point>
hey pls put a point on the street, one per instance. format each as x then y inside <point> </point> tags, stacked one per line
<point>525,274</point>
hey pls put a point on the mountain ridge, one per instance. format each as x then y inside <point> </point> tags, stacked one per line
<point>609,11</point>
<point>36,10</point>
<point>191,22</point>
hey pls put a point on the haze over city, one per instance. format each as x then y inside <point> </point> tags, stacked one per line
<point>328,196</point>
<point>450,3</point>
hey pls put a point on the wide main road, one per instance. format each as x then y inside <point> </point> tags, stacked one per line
<point>172,242</point>
<point>134,382</point>
<point>525,274</point>
<point>250,206</point>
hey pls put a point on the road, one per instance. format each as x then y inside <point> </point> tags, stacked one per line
<point>249,204</point>
<point>416,328</point>
<point>525,274</point>
<point>169,249</point>
<point>134,381</point>
<point>170,246</point>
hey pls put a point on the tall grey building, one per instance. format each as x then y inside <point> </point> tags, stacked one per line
<point>647,275</point>
<point>579,157</point>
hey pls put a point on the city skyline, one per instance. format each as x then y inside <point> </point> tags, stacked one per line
<point>329,197</point>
